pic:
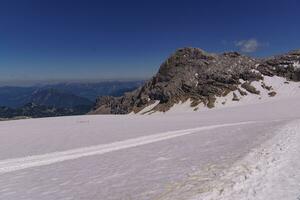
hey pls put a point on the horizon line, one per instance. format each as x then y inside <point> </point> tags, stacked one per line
<point>36,82</point>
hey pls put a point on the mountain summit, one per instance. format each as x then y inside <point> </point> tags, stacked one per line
<point>201,77</point>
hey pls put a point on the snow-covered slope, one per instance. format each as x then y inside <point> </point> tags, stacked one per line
<point>270,89</point>
<point>272,171</point>
<point>226,153</point>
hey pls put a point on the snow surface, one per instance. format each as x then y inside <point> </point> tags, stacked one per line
<point>11,165</point>
<point>271,171</point>
<point>250,151</point>
<point>296,65</point>
<point>280,85</point>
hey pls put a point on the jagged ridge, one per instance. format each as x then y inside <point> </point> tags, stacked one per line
<point>191,73</point>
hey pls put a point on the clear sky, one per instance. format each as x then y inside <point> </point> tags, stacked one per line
<point>72,39</point>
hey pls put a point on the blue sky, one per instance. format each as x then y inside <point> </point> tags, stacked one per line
<point>94,40</point>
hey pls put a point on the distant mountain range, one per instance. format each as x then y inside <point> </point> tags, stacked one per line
<point>33,110</point>
<point>58,99</point>
<point>93,90</point>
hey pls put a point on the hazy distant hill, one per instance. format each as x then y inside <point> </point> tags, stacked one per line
<point>58,98</point>
<point>94,90</point>
<point>63,93</point>
<point>36,111</point>
<point>15,96</point>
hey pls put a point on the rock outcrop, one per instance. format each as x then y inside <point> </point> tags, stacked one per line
<point>191,73</point>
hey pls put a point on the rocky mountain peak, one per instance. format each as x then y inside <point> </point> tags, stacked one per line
<point>295,52</point>
<point>232,54</point>
<point>192,73</point>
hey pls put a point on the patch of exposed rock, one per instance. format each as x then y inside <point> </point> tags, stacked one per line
<point>235,97</point>
<point>247,86</point>
<point>191,73</point>
<point>287,65</point>
<point>272,94</point>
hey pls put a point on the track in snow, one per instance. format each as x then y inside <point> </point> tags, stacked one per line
<point>11,165</point>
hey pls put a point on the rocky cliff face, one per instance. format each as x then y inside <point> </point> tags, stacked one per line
<point>191,73</point>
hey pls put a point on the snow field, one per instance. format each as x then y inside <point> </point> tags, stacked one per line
<point>271,171</point>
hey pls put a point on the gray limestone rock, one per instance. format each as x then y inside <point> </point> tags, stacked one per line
<point>191,73</point>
